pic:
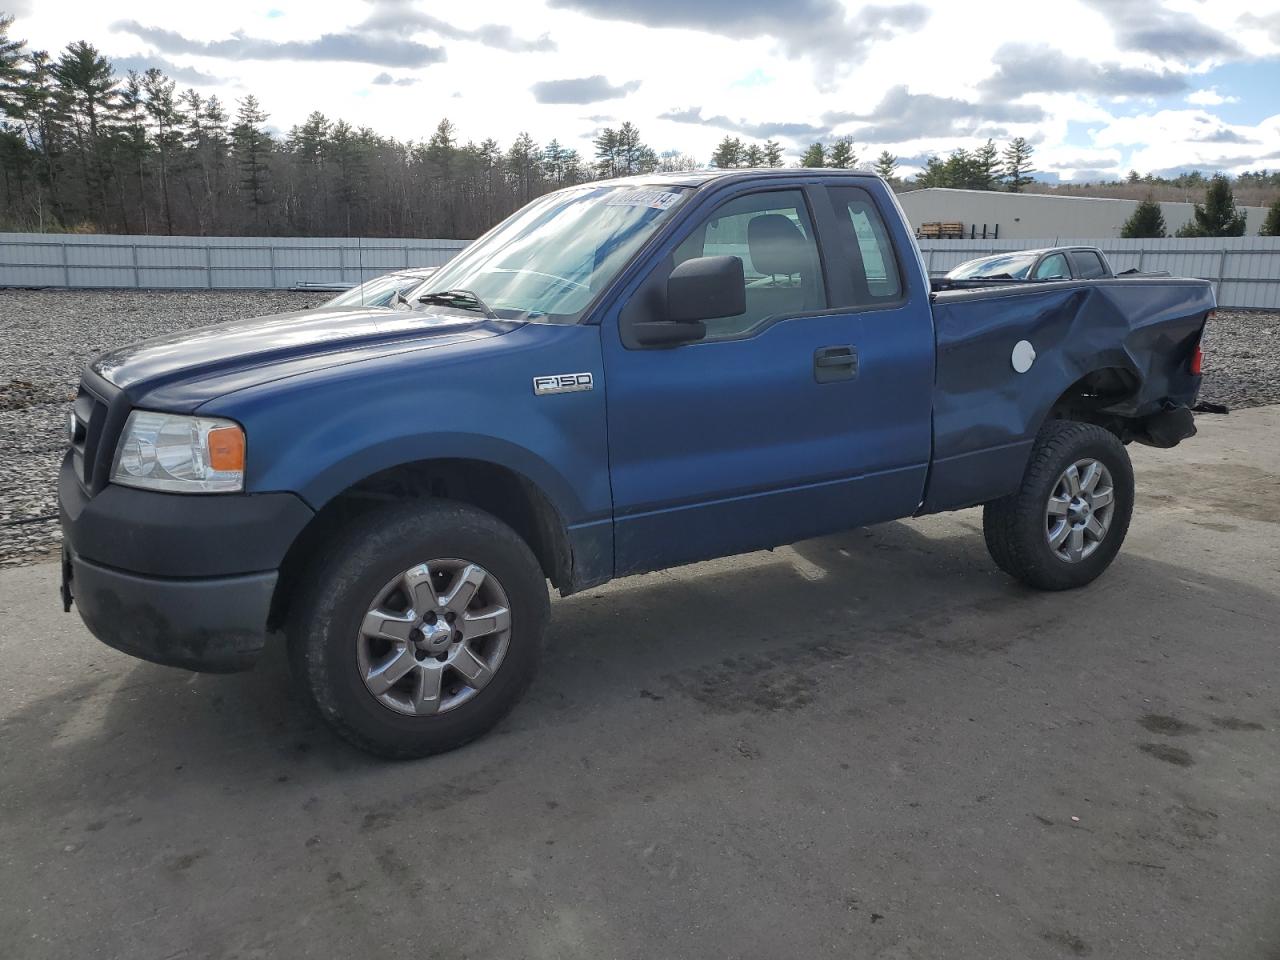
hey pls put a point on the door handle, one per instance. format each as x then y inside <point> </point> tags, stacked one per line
<point>835,363</point>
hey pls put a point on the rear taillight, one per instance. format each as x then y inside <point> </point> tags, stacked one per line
<point>1197,355</point>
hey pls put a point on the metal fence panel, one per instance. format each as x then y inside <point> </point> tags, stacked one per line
<point>176,263</point>
<point>1245,270</point>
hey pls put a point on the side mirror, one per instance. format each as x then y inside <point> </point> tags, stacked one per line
<point>705,288</point>
<point>699,289</point>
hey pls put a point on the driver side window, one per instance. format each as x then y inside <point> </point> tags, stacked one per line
<point>1053,268</point>
<point>773,237</point>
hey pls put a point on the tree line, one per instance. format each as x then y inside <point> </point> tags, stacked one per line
<point>82,148</point>
<point>1217,216</point>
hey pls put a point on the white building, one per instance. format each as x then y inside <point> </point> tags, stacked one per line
<point>1040,216</point>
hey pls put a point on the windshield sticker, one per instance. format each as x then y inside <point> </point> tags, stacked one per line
<point>658,199</point>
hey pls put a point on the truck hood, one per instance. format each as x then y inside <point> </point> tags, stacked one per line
<point>245,352</point>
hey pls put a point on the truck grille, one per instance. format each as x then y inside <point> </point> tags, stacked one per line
<point>99,411</point>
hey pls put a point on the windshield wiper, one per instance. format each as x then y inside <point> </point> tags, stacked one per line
<point>462,299</point>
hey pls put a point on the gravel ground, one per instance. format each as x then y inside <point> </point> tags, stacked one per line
<point>46,337</point>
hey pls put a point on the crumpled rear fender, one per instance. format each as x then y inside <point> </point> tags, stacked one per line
<point>987,414</point>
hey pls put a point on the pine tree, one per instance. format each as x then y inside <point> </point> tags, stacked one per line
<point>753,156</point>
<point>886,165</point>
<point>934,173</point>
<point>216,160</point>
<point>523,159</point>
<point>842,156</point>
<point>40,108</point>
<point>194,140</point>
<point>607,160</point>
<point>772,153</point>
<point>1147,221</point>
<point>12,55</point>
<point>251,147</point>
<point>987,166</point>
<point>553,162</point>
<point>960,170</point>
<point>1218,216</point>
<point>634,156</point>
<point>575,171</point>
<point>815,156</point>
<point>162,111</point>
<point>134,144</point>
<point>88,82</point>
<point>1017,164</point>
<point>1271,225</point>
<point>728,154</point>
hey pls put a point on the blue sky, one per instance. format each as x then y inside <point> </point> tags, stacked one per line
<point>1099,86</point>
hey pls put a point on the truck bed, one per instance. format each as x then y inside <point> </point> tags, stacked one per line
<point>1123,344</point>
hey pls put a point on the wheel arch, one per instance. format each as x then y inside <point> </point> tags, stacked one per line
<point>500,490</point>
<point>1089,397</point>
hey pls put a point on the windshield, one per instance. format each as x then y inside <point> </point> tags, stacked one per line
<point>378,292</point>
<point>1013,265</point>
<point>548,260</point>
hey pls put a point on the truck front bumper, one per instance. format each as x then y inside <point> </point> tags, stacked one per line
<point>183,580</point>
<point>215,625</point>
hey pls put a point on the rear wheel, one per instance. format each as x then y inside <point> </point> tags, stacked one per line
<point>1067,521</point>
<point>421,628</point>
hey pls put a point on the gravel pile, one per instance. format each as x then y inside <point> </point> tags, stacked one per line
<point>47,337</point>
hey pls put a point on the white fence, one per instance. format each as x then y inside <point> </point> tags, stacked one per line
<point>1245,270</point>
<point>72,260</point>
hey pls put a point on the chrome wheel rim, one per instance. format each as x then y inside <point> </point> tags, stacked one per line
<point>434,637</point>
<point>1079,511</point>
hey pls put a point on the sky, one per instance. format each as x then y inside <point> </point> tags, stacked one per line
<point>1098,86</point>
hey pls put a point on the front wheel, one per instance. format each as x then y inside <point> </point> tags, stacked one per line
<point>1067,521</point>
<point>420,629</point>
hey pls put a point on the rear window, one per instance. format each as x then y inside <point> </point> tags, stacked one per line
<point>876,278</point>
<point>1088,264</point>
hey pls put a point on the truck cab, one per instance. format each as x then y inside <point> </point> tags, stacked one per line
<point>623,376</point>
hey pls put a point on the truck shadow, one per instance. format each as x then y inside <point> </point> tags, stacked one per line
<point>744,635</point>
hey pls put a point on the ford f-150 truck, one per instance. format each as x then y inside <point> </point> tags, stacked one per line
<point>621,377</point>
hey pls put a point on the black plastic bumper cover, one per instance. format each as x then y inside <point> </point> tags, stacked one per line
<point>184,580</point>
<point>1169,427</point>
<point>216,625</point>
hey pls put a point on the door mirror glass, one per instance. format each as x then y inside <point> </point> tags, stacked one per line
<point>705,288</point>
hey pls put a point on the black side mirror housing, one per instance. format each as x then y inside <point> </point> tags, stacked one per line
<point>705,288</point>
<point>699,289</point>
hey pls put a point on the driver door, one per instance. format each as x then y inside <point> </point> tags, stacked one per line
<point>803,415</point>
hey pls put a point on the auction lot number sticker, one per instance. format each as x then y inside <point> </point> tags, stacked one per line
<point>658,199</point>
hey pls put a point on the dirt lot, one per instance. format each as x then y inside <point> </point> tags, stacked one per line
<point>870,745</point>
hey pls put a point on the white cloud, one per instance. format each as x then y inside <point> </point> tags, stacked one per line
<point>1210,98</point>
<point>753,82</point>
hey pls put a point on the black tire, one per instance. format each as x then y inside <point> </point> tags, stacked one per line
<point>1015,526</point>
<point>324,627</point>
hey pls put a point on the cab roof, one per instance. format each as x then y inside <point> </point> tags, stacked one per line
<point>701,178</point>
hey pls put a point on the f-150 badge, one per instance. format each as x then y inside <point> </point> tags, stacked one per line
<point>562,383</point>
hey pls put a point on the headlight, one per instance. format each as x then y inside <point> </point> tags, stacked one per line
<point>164,451</point>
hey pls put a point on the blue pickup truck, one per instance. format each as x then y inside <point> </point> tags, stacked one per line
<point>621,377</point>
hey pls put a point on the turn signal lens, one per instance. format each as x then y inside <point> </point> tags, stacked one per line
<point>226,449</point>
